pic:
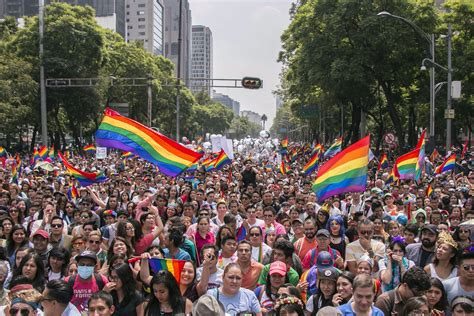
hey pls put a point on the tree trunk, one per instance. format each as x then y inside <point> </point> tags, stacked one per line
<point>392,112</point>
<point>33,138</point>
<point>412,139</point>
<point>356,115</point>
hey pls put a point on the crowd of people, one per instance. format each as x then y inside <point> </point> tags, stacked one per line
<point>254,242</point>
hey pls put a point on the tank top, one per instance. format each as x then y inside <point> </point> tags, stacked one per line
<point>341,247</point>
<point>453,273</point>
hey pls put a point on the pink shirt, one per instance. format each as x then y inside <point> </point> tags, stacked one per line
<point>279,228</point>
<point>83,290</point>
<point>200,242</point>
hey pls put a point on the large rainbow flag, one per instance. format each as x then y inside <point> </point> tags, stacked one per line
<point>334,149</point>
<point>171,265</point>
<point>117,131</point>
<point>311,164</point>
<point>405,165</point>
<point>345,172</point>
<point>85,178</point>
<point>447,165</point>
<point>222,160</point>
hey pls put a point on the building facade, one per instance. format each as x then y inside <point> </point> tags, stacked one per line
<point>252,116</point>
<point>201,61</point>
<point>227,101</point>
<point>171,36</point>
<point>145,20</point>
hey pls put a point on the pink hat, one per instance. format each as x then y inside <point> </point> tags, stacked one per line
<point>42,233</point>
<point>278,267</point>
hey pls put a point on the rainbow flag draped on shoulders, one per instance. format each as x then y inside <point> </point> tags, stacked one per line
<point>345,172</point>
<point>334,149</point>
<point>311,165</point>
<point>84,178</point>
<point>175,267</point>
<point>405,165</point>
<point>447,165</point>
<point>117,131</point>
<point>222,160</point>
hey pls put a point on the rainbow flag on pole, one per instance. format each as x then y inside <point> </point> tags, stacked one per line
<point>90,149</point>
<point>85,178</point>
<point>3,152</point>
<point>14,176</point>
<point>405,165</point>
<point>171,265</point>
<point>284,146</point>
<point>334,149</point>
<point>221,160</point>
<point>429,190</point>
<point>420,165</point>
<point>345,172</point>
<point>72,193</point>
<point>126,154</point>
<point>383,163</point>
<point>117,131</point>
<point>311,165</point>
<point>447,165</point>
<point>283,167</point>
<point>43,152</point>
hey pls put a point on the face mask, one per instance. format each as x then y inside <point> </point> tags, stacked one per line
<point>85,272</point>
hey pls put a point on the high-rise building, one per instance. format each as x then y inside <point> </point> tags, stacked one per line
<point>145,24</point>
<point>109,13</point>
<point>227,101</point>
<point>252,116</point>
<point>171,31</point>
<point>201,61</point>
<point>2,9</point>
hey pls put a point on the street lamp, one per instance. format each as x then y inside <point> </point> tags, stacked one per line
<point>430,40</point>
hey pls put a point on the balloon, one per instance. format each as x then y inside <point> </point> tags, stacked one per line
<point>264,134</point>
<point>402,219</point>
<point>240,148</point>
<point>206,145</point>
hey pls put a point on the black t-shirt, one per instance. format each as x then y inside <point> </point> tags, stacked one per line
<point>424,257</point>
<point>249,177</point>
<point>127,307</point>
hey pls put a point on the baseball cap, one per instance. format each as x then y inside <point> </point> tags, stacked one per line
<point>330,273</point>
<point>87,254</point>
<point>432,228</point>
<point>278,267</point>
<point>324,260</point>
<point>323,232</point>
<point>41,233</point>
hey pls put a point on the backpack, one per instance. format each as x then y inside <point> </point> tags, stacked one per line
<point>98,280</point>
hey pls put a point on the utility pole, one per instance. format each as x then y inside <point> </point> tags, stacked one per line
<point>449,87</point>
<point>178,68</point>
<point>44,123</point>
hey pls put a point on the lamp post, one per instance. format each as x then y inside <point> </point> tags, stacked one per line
<point>44,123</point>
<point>431,42</point>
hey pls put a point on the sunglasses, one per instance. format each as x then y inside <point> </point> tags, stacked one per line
<point>366,232</point>
<point>255,235</point>
<point>23,311</point>
<point>84,217</point>
<point>97,242</point>
<point>56,225</point>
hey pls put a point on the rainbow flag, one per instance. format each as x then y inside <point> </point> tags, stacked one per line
<point>72,193</point>
<point>420,165</point>
<point>283,167</point>
<point>51,153</point>
<point>345,172</point>
<point>391,178</point>
<point>89,149</point>
<point>14,176</point>
<point>84,178</point>
<point>284,146</point>
<point>200,149</point>
<point>43,152</point>
<point>171,265</point>
<point>120,132</point>
<point>447,165</point>
<point>464,148</point>
<point>18,159</point>
<point>318,149</point>
<point>429,190</point>
<point>311,165</point>
<point>3,152</point>
<point>405,165</point>
<point>383,162</point>
<point>434,155</point>
<point>126,154</point>
<point>35,157</point>
<point>334,149</point>
<point>221,160</point>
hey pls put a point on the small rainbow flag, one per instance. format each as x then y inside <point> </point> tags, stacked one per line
<point>200,149</point>
<point>43,152</point>
<point>284,146</point>
<point>405,165</point>
<point>51,153</point>
<point>420,165</point>
<point>89,148</point>
<point>221,160</point>
<point>429,190</point>
<point>72,193</point>
<point>35,157</point>
<point>127,154</point>
<point>334,149</point>
<point>18,159</point>
<point>283,167</point>
<point>317,149</point>
<point>14,176</point>
<point>85,178</point>
<point>464,148</point>
<point>175,267</point>
<point>117,131</point>
<point>391,178</point>
<point>434,155</point>
<point>345,172</point>
<point>3,152</point>
<point>311,165</point>
<point>383,163</point>
<point>447,165</point>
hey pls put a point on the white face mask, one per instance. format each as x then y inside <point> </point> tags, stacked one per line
<point>85,272</point>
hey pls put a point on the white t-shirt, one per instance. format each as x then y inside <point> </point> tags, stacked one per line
<point>256,252</point>
<point>215,279</point>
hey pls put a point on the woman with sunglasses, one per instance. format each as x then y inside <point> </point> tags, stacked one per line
<point>233,297</point>
<point>462,235</point>
<point>166,298</point>
<point>15,215</point>
<point>259,249</point>
<point>93,243</point>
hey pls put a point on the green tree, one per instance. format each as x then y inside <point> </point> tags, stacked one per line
<point>243,127</point>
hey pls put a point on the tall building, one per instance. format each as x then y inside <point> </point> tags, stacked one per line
<point>109,13</point>
<point>2,9</point>
<point>227,101</point>
<point>171,35</point>
<point>201,61</point>
<point>145,24</point>
<point>252,116</point>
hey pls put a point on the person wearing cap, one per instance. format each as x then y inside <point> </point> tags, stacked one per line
<point>208,305</point>
<point>41,245</point>
<point>86,282</point>
<point>463,284</point>
<point>423,252</point>
<point>309,278</point>
<point>327,278</point>
<point>323,244</point>
<point>267,293</point>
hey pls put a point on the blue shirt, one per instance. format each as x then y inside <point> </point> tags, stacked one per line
<point>346,310</point>
<point>244,301</point>
<point>181,255</point>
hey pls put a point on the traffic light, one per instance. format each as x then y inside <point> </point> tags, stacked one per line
<point>252,83</point>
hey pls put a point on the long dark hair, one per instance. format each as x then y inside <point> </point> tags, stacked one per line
<point>443,301</point>
<point>176,301</point>
<point>129,285</point>
<point>11,244</point>
<point>62,254</point>
<point>110,252</point>
<point>268,286</point>
<point>39,279</point>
